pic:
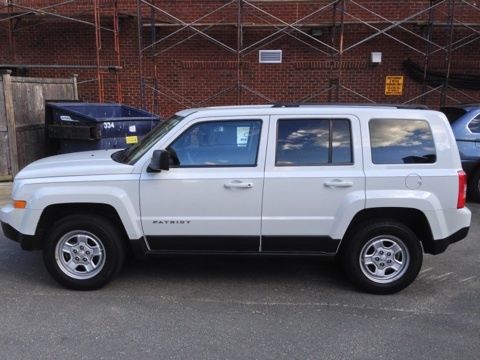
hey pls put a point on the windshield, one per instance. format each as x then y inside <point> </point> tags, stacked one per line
<point>131,154</point>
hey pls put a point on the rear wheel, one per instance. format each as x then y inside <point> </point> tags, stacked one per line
<point>382,257</point>
<point>83,252</point>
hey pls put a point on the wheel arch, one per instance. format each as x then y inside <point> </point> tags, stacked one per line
<point>55,212</point>
<point>415,219</point>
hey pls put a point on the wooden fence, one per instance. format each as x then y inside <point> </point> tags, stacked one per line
<point>22,117</point>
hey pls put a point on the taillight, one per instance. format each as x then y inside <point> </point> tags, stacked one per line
<point>462,189</point>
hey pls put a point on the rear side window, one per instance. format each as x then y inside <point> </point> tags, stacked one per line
<point>310,142</point>
<point>474,125</point>
<point>401,141</point>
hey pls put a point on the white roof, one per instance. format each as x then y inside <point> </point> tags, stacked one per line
<point>292,109</point>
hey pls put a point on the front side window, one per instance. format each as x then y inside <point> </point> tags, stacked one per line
<point>217,143</point>
<point>401,141</point>
<point>311,142</point>
<point>474,125</point>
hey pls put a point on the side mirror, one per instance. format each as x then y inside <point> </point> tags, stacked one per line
<point>160,161</point>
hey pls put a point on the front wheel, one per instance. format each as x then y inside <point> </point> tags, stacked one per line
<point>83,252</point>
<point>382,257</point>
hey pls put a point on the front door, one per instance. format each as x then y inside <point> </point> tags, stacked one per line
<point>210,199</point>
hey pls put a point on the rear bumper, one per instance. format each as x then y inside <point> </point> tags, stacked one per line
<point>27,242</point>
<point>440,245</point>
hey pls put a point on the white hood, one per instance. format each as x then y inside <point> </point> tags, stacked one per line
<point>97,162</point>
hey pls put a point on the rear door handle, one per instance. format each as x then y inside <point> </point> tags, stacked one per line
<point>337,183</point>
<point>238,184</point>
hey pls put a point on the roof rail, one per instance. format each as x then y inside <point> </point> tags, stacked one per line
<point>397,106</point>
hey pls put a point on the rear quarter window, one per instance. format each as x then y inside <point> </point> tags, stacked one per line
<point>401,141</point>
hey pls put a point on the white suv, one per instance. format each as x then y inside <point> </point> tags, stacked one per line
<point>375,186</point>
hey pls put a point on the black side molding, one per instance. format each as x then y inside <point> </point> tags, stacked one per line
<point>203,243</point>
<point>322,244</point>
<point>243,244</point>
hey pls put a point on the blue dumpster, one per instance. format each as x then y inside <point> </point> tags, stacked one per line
<point>77,126</point>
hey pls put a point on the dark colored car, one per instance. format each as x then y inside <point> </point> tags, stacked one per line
<point>465,122</point>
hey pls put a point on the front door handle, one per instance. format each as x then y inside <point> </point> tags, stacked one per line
<point>337,183</point>
<point>238,184</point>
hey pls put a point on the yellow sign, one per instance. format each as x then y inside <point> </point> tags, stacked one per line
<point>394,85</point>
<point>131,139</point>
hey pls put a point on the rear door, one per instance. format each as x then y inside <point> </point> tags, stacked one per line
<point>314,182</point>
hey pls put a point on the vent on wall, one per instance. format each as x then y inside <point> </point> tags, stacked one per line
<point>270,56</point>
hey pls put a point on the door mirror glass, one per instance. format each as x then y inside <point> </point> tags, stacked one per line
<point>160,161</point>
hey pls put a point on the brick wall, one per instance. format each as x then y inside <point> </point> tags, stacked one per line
<point>198,72</point>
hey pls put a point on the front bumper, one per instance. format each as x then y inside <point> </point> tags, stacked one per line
<point>23,220</point>
<point>20,225</point>
<point>27,242</point>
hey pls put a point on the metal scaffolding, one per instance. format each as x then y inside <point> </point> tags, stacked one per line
<point>414,32</point>
<point>428,31</point>
<point>21,17</point>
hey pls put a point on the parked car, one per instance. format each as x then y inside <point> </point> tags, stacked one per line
<point>374,186</point>
<point>465,122</point>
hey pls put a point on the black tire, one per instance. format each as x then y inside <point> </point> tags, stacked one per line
<point>365,254</point>
<point>103,250</point>
<point>474,186</point>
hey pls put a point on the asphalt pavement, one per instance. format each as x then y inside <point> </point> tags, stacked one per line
<point>241,308</point>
